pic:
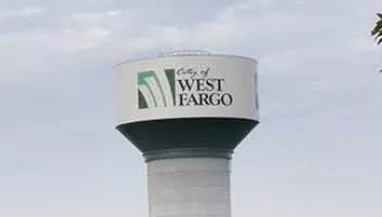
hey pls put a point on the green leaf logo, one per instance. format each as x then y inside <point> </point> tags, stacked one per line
<point>156,90</point>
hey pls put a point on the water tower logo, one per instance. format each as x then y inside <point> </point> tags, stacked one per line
<point>154,91</point>
<point>185,86</point>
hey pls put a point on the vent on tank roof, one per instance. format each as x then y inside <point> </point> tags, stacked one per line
<point>184,53</point>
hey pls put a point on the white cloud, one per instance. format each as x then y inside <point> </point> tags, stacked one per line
<point>23,12</point>
<point>72,40</point>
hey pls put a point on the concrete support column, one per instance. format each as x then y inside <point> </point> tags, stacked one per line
<point>189,187</point>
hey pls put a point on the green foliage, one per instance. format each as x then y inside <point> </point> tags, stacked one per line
<point>377,31</point>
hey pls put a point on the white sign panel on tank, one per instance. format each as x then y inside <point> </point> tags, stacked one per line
<point>214,86</point>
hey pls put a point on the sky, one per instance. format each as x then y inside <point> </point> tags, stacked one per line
<point>316,152</point>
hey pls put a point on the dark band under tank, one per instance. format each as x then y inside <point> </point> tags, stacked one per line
<point>187,137</point>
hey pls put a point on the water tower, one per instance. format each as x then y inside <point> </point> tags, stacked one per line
<point>186,112</point>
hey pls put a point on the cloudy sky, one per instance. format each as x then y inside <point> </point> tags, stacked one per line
<point>317,151</point>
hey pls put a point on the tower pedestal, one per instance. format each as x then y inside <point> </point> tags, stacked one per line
<point>189,187</point>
